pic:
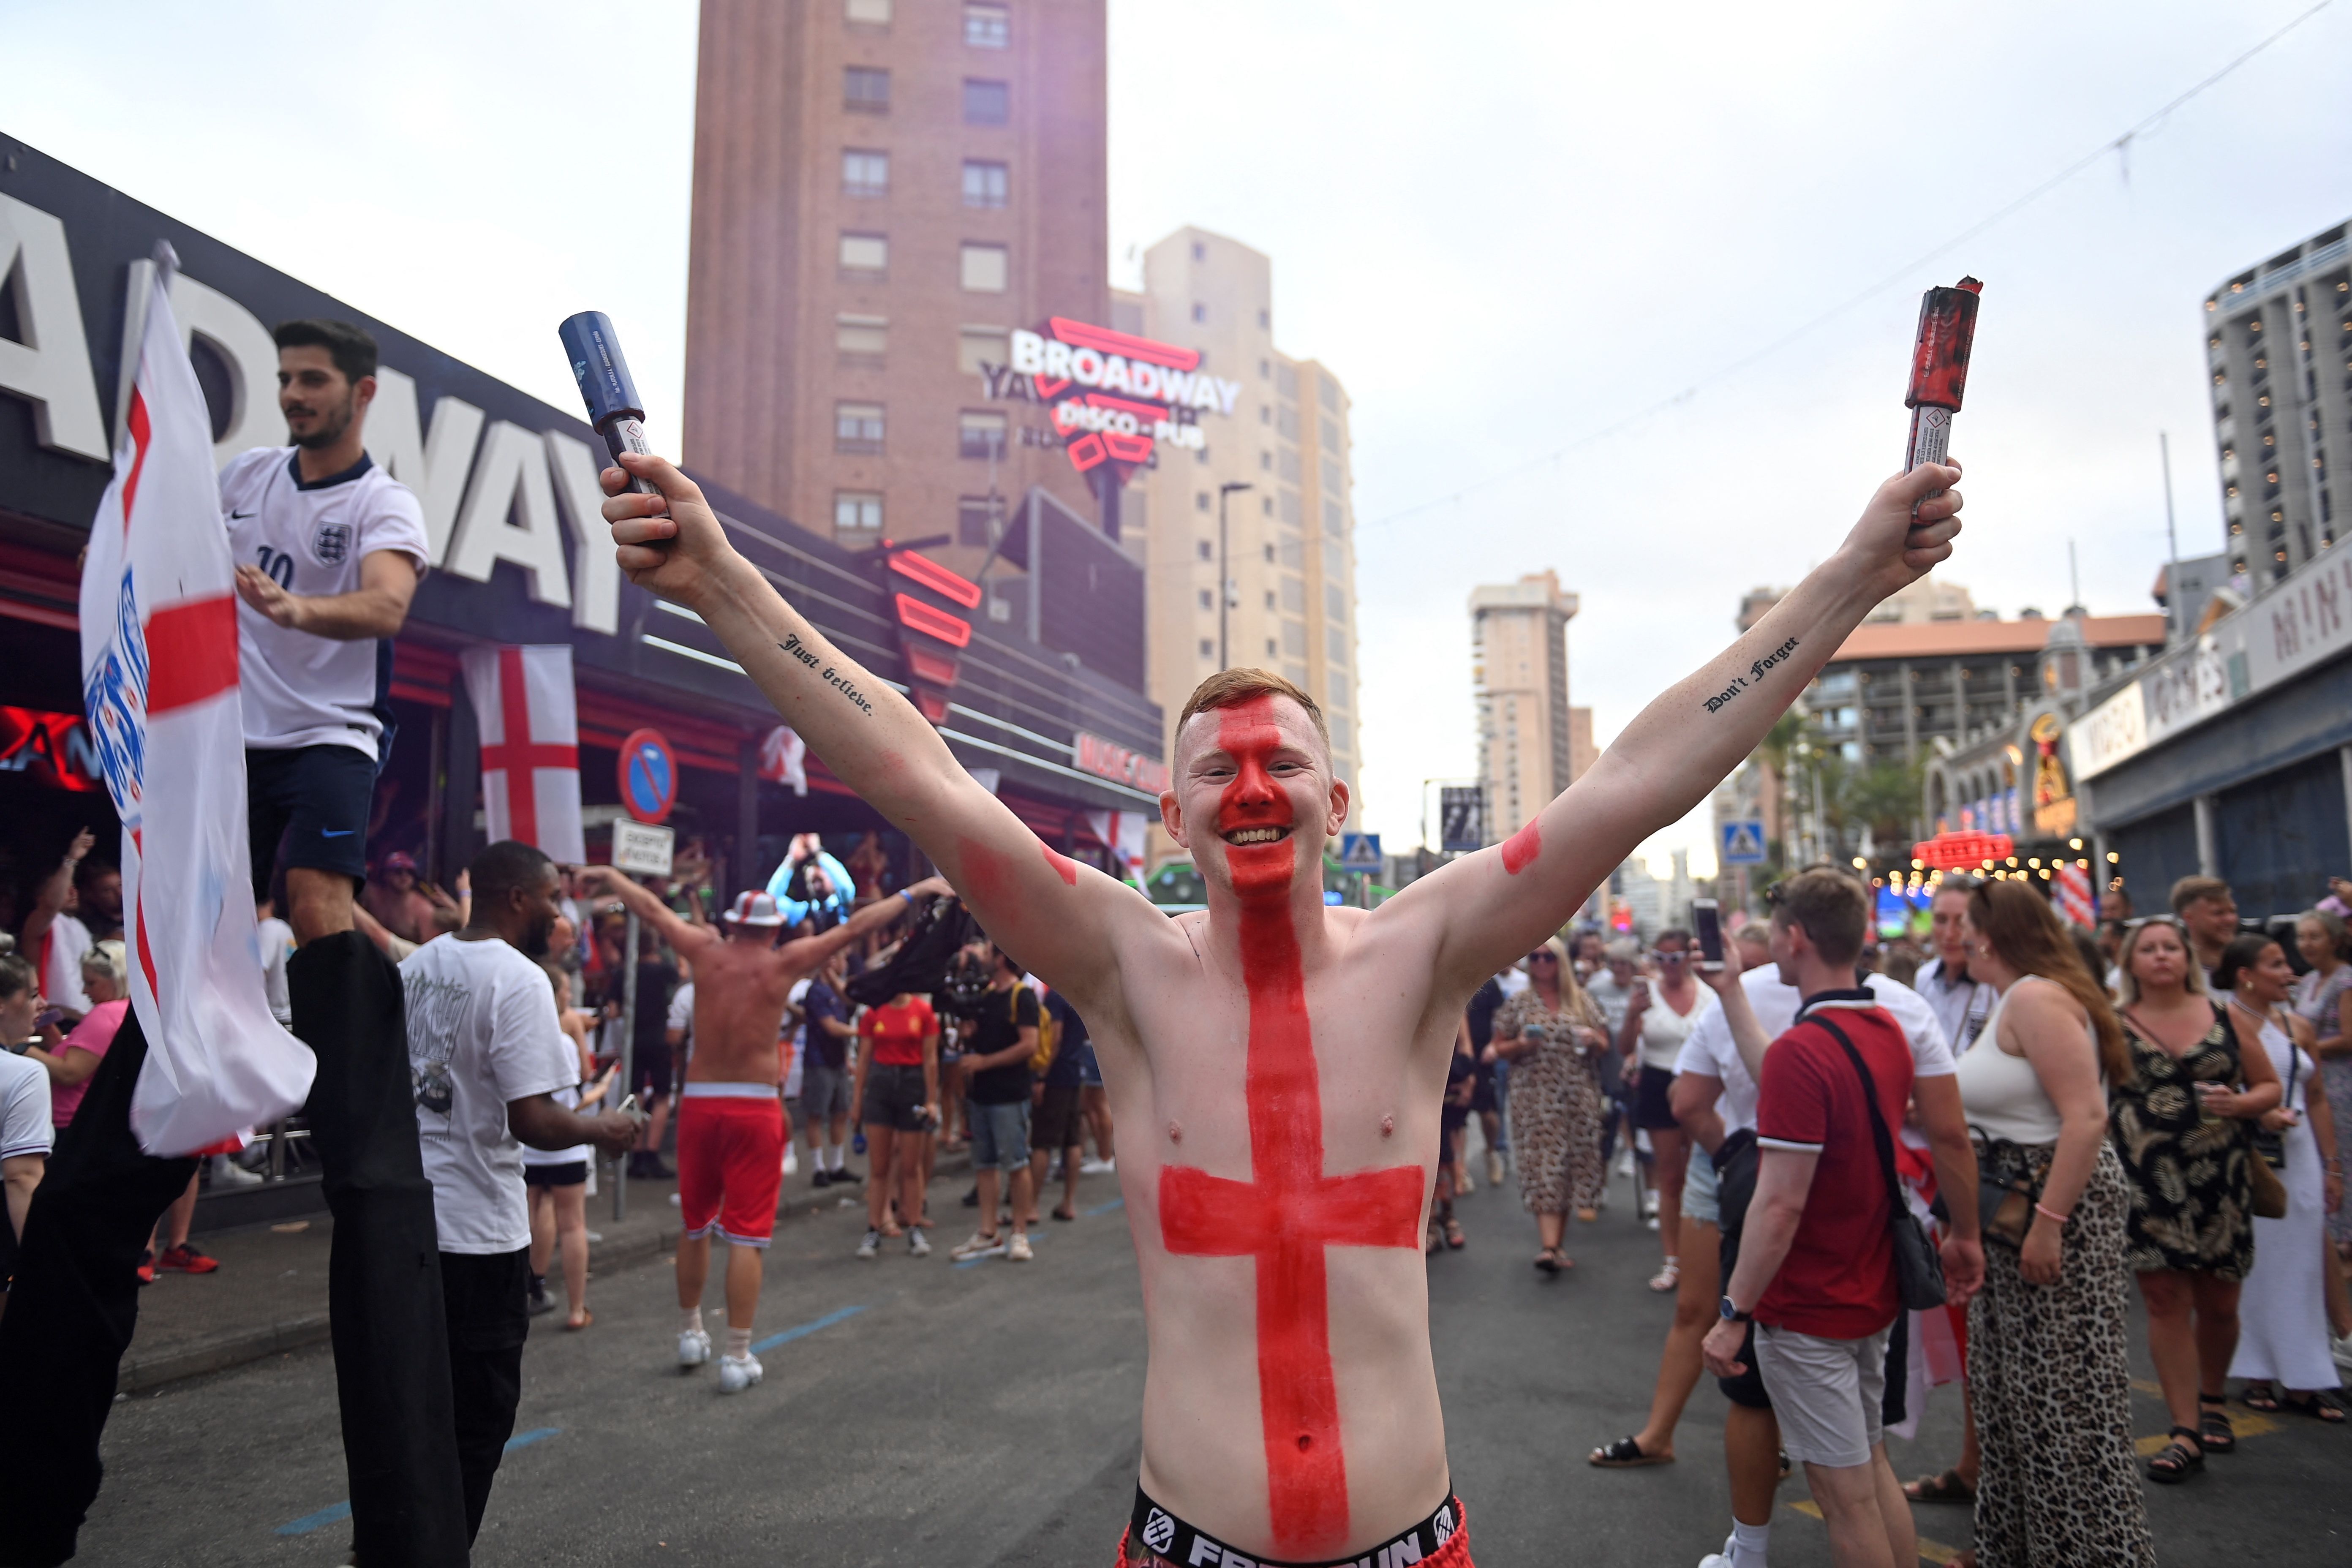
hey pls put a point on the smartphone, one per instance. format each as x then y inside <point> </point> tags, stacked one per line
<point>1706,919</point>
<point>49,1016</point>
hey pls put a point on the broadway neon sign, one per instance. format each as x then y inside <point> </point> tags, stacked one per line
<point>1114,396</point>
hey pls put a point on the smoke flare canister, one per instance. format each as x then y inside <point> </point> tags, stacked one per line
<point>594,350</point>
<point>1940,369</point>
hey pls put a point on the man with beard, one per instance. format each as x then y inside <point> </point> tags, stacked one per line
<point>486,1057</point>
<point>1276,1065</point>
<point>329,551</point>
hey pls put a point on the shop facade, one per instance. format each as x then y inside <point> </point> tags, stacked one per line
<point>507,485</point>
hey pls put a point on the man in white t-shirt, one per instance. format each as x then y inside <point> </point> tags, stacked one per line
<point>329,551</point>
<point>1714,1096</point>
<point>486,1057</point>
<point>25,1135</point>
<point>55,939</point>
<point>1962,1003</point>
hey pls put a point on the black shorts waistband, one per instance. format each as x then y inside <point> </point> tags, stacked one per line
<point>1187,1546</point>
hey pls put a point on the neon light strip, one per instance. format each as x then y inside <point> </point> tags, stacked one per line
<point>935,577</point>
<point>918,616</point>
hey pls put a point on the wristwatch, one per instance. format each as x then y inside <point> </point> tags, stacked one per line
<point>1732,1314</point>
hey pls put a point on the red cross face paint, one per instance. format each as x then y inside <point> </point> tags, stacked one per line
<point>1289,1210</point>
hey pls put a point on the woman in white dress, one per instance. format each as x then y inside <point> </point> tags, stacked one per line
<point>2282,1341</point>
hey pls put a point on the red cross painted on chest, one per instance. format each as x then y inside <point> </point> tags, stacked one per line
<point>1291,1210</point>
<point>516,754</point>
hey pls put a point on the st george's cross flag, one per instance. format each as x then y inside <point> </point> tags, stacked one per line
<point>159,670</point>
<point>530,723</point>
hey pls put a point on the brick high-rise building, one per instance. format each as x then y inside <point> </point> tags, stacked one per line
<point>882,190</point>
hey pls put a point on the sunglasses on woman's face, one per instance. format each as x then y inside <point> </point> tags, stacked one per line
<point>1543,955</point>
<point>1675,956</point>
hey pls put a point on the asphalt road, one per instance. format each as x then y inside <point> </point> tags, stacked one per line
<point>925,1412</point>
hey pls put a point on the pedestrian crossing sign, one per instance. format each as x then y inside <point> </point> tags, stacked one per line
<point>1360,852</point>
<point>1743,843</point>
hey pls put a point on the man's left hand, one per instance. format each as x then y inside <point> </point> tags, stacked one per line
<point>260,590</point>
<point>1721,1348</point>
<point>1964,1267</point>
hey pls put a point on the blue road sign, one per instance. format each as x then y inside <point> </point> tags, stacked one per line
<point>1360,851</point>
<point>1743,843</point>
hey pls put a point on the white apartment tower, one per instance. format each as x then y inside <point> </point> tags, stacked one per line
<point>1529,748</point>
<point>1287,542</point>
<point>2278,343</point>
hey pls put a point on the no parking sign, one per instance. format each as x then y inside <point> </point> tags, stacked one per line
<point>648,776</point>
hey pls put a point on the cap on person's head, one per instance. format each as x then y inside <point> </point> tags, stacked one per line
<point>399,861</point>
<point>754,908</point>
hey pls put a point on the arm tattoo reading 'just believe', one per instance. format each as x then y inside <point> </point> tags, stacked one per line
<point>1755,675</point>
<point>833,677</point>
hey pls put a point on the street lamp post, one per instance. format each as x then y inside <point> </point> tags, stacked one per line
<point>1224,571</point>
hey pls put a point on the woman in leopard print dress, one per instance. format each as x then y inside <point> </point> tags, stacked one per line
<point>2048,1374</point>
<point>1551,1034</point>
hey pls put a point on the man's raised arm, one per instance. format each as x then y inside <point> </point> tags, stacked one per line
<point>1057,915</point>
<point>807,954</point>
<point>603,881</point>
<point>1497,904</point>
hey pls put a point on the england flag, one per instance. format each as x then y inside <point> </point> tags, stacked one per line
<point>159,668</point>
<point>529,721</point>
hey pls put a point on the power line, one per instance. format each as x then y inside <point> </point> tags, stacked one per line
<point>2120,144</point>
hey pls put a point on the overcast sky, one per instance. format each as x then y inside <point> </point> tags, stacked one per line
<point>1503,238</point>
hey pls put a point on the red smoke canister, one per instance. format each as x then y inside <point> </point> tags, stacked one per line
<point>1940,369</point>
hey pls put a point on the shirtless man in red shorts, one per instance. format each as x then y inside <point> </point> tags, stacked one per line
<point>730,1121</point>
<point>1276,1066</point>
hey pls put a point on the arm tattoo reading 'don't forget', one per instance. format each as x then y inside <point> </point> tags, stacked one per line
<point>802,651</point>
<point>1740,683</point>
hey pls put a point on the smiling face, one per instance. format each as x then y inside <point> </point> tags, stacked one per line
<point>1253,797</point>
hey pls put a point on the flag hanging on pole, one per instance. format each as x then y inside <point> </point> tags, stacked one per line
<point>530,723</point>
<point>159,666</point>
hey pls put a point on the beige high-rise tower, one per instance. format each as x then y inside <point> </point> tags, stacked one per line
<point>1287,541</point>
<point>1531,744</point>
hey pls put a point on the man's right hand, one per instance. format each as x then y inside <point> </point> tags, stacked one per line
<point>672,542</point>
<point>615,1133</point>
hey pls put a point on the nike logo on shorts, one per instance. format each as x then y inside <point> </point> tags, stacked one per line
<point>239,516</point>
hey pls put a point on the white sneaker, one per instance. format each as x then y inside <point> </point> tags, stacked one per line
<point>226,1173</point>
<point>736,1373</point>
<point>1718,1559</point>
<point>791,1168</point>
<point>917,1243</point>
<point>872,1246</point>
<point>1098,1167</point>
<point>1652,1222</point>
<point>693,1347</point>
<point>1017,1249</point>
<point>978,1246</point>
<point>1493,1169</point>
<point>1624,1165</point>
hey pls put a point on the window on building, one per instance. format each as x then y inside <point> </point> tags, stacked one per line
<point>866,90</point>
<point>987,26</point>
<point>1330,433</point>
<point>1269,554</point>
<point>1207,552</point>
<point>867,337</point>
<point>1294,593</point>
<point>987,103</point>
<point>980,433</point>
<point>1335,644</point>
<point>1288,424</point>
<point>1294,638</point>
<point>1329,392</point>
<point>1334,560</point>
<point>1291,507</point>
<point>1264,369</point>
<point>1200,251</point>
<point>1200,503</point>
<point>865,173</point>
<point>984,268</point>
<point>1334,476</point>
<point>1264,319</point>
<point>973,515</point>
<point>1335,604</point>
<point>857,510</point>
<point>984,184</point>
<point>1286,381</point>
<point>1199,311</point>
<point>1265,461</point>
<point>858,427</point>
<point>1208,648</point>
<point>1339,688</point>
<point>1290,465</point>
<point>1343,734</point>
<point>1265,505</point>
<point>876,12</point>
<point>1208,599</point>
<point>976,346</point>
<point>865,253</point>
<point>1270,649</point>
<point>1269,599</point>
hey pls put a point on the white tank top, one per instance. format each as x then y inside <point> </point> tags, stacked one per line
<point>2001,1093</point>
<point>1663,1030</point>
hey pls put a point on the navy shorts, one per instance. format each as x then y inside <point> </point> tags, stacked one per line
<point>316,798</point>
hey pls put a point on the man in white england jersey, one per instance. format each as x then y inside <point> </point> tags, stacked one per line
<point>329,550</point>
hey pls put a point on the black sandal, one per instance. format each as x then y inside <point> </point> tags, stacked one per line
<point>2318,1406</point>
<point>1625,1454</point>
<point>2177,1461</point>
<point>2213,1429</point>
<point>2259,1396</point>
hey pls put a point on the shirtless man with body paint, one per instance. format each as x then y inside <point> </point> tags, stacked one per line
<point>1276,1066</point>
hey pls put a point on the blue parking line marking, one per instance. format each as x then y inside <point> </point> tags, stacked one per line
<point>340,1511</point>
<point>1106,1208</point>
<point>319,1520</point>
<point>773,1340</point>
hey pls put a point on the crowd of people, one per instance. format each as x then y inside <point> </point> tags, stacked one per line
<point>2050,1121</point>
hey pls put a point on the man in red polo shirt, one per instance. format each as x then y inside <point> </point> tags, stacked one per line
<point>1816,1269</point>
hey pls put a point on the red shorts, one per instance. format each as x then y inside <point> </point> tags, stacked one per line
<point>731,1164</point>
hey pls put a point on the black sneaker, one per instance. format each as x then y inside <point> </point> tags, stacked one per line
<point>821,1179</point>
<point>972,1199</point>
<point>844,1177</point>
<point>539,1303</point>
